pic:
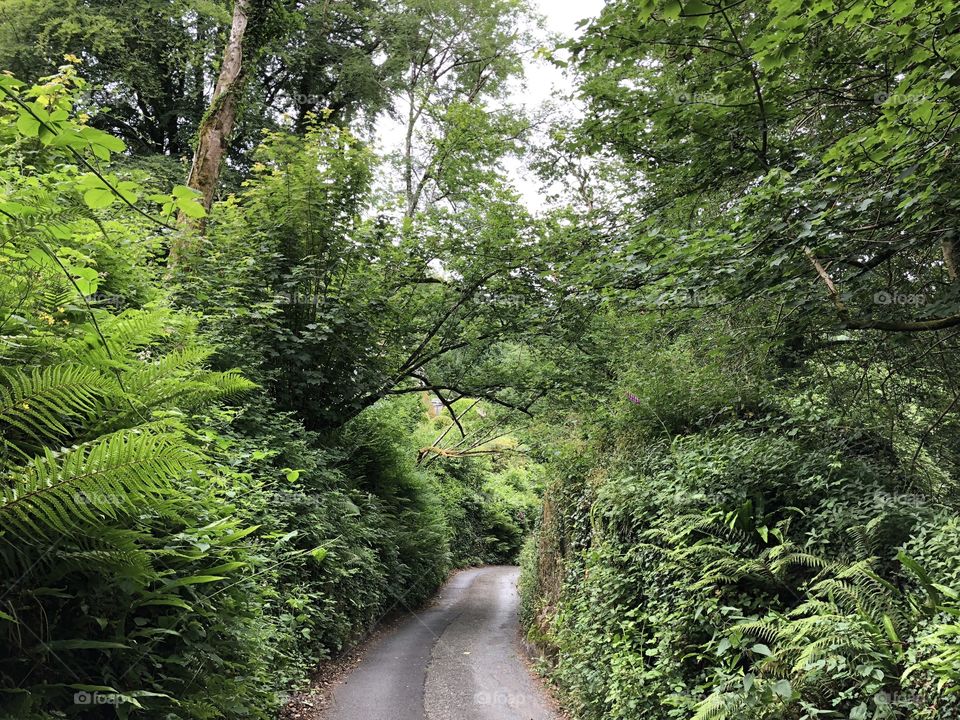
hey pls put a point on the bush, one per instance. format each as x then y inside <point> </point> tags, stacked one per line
<point>748,566</point>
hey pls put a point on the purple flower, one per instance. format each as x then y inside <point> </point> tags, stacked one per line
<point>633,398</point>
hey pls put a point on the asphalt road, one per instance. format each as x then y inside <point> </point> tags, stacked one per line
<point>457,660</point>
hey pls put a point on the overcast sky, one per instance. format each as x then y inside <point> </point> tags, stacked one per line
<point>545,82</point>
<point>561,18</point>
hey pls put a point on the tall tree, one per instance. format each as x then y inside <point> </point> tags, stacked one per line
<point>797,152</point>
<point>332,59</point>
<point>148,63</point>
<point>457,57</point>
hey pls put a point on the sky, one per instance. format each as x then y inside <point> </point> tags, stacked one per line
<point>545,82</point>
<point>561,17</point>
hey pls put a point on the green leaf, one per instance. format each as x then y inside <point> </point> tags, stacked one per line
<point>226,567</point>
<point>948,591</point>
<point>40,112</point>
<point>696,13</point>
<point>771,60</point>
<point>288,536</point>
<point>128,190</point>
<point>891,631</point>
<point>98,198</point>
<point>193,580</point>
<point>27,125</point>
<point>182,192</point>
<point>191,208</point>
<point>100,139</point>
<point>671,10</point>
<point>238,535</point>
<point>67,138</point>
<point>86,279</point>
<point>85,645</point>
<point>167,601</point>
<point>921,574</point>
<point>783,689</point>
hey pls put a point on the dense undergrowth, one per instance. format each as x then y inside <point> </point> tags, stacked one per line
<point>180,541</point>
<point>722,544</point>
<point>755,517</point>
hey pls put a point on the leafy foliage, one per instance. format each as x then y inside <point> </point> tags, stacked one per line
<point>731,558</point>
<point>177,539</point>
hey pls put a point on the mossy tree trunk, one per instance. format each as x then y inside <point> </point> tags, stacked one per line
<point>216,127</point>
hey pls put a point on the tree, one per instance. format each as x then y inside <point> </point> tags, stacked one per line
<point>335,312</point>
<point>331,59</point>
<point>213,135</point>
<point>457,58</point>
<point>147,62</point>
<point>786,151</point>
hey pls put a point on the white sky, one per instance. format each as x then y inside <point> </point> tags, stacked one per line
<point>546,82</point>
<point>543,83</point>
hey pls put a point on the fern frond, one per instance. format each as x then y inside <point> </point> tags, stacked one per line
<point>140,380</point>
<point>767,630</point>
<point>36,403</point>
<point>227,384</point>
<point>813,651</point>
<point>783,561</point>
<point>57,492</point>
<point>115,562</point>
<point>720,706</point>
<point>125,332</point>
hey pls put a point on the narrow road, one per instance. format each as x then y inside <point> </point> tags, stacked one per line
<point>457,660</point>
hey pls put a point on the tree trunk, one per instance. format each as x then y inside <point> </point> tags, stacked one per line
<point>216,127</point>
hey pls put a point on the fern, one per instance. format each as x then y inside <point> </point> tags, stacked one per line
<point>767,630</point>
<point>720,706</point>
<point>786,557</point>
<point>36,404</point>
<point>138,328</point>
<point>57,492</point>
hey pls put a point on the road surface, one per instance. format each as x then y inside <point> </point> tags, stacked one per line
<point>459,659</point>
